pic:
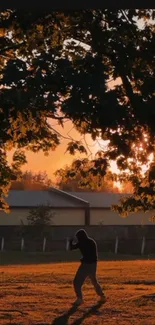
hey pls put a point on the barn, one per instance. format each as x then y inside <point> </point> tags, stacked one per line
<point>69,208</point>
<point>65,208</point>
<point>101,213</point>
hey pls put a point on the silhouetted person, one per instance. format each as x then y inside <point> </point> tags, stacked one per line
<point>88,266</point>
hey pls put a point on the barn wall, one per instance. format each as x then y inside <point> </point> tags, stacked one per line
<point>14,217</point>
<point>60,217</point>
<point>109,217</point>
<point>68,217</point>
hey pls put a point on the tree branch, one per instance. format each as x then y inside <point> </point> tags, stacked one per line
<point>128,87</point>
<point>11,47</point>
<point>51,115</point>
<point>87,146</point>
<point>125,16</point>
<point>61,135</point>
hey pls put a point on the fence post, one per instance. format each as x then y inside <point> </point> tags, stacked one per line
<point>116,245</point>
<point>44,244</point>
<point>2,244</point>
<point>143,245</point>
<point>22,244</point>
<point>67,244</point>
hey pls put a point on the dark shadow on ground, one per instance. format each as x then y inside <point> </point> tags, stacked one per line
<point>63,319</point>
<point>92,310</point>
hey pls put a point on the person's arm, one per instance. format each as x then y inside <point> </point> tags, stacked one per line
<point>73,246</point>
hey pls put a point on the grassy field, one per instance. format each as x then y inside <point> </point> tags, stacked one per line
<point>42,294</point>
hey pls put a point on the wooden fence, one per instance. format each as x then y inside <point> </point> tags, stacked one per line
<point>143,246</point>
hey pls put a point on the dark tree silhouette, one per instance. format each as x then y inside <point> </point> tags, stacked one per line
<point>58,65</point>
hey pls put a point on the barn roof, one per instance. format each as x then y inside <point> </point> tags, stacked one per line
<point>57,198</point>
<point>53,197</point>
<point>99,199</point>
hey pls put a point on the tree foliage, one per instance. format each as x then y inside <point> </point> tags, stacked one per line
<point>83,175</point>
<point>143,198</point>
<point>77,177</point>
<point>28,180</point>
<point>40,216</point>
<point>58,65</point>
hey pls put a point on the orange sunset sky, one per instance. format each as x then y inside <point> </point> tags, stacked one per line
<point>59,158</point>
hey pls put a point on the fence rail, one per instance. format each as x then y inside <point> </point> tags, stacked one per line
<point>143,246</point>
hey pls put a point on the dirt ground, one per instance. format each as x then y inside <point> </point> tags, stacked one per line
<point>43,294</point>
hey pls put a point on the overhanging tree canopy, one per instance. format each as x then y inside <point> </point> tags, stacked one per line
<point>58,65</point>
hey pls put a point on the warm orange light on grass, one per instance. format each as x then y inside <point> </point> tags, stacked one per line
<point>43,293</point>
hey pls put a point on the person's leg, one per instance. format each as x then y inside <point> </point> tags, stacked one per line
<point>79,279</point>
<point>95,282</point>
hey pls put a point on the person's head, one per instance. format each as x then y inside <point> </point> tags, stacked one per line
<point>81,235</point>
